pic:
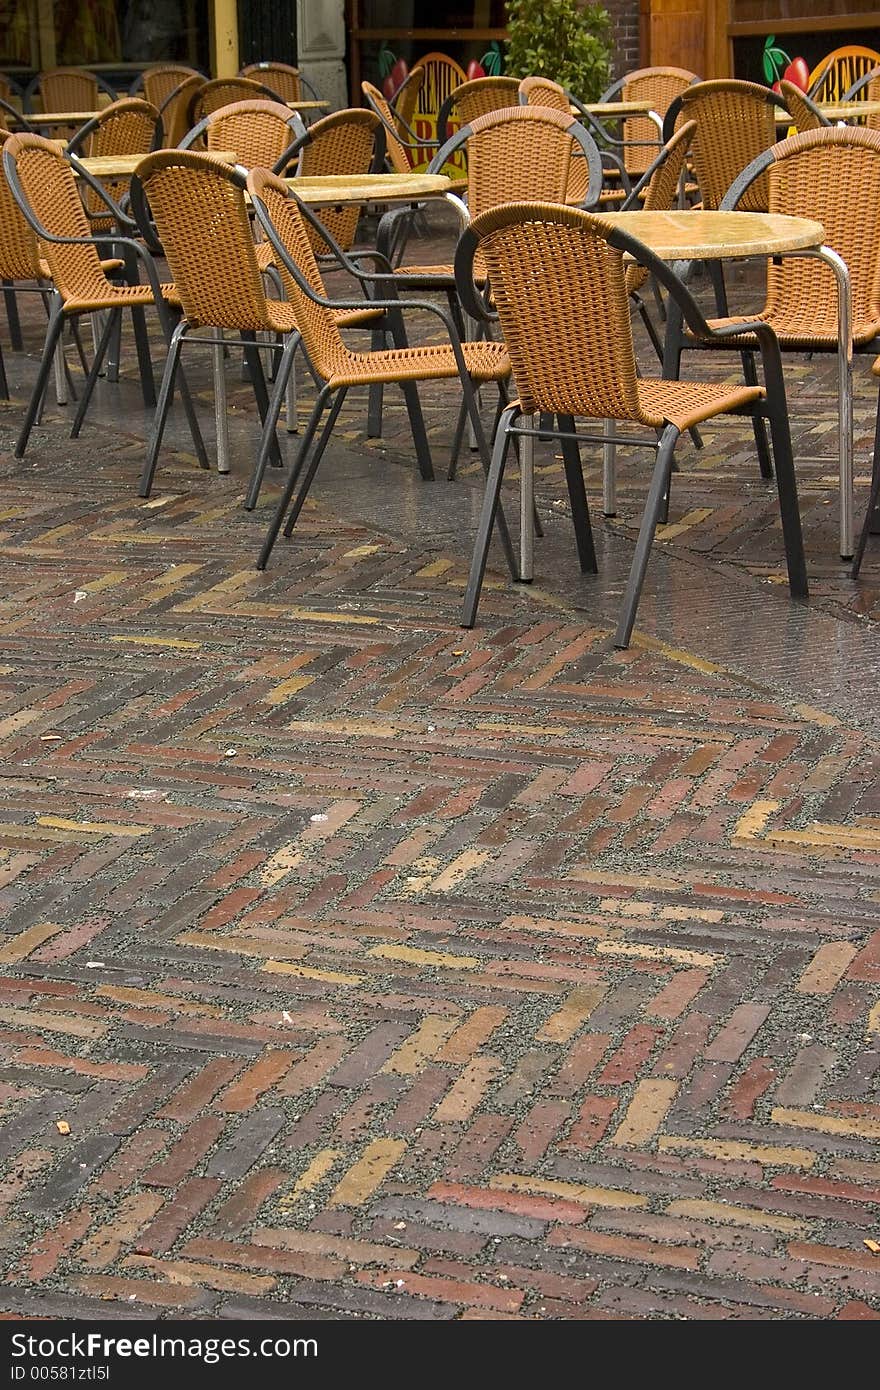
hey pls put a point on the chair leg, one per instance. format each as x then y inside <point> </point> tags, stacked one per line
<point>873,498</point>
<point>169,322</point>
<point>659,486</point>
<point>456,443</point>
<point>15,338</point>
<point>417,425</point>
<point>486,461</point>
<point>258,385</point>
<point>115,353</point>
<point>4,384</point>
<point>95,371</point>
<point>786,480</point>
<point>765,462</point>
<point>268,431</point>
<point>165,393</point>
<point>145,361</point>
<point>317,455</point>
<point>284,500</point>
<point>53,337</point>
<point>487,516</point>
<point>580,510</point>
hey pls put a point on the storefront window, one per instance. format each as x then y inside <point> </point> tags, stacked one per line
<point>38,33</point>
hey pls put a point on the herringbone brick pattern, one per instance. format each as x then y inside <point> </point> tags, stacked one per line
<point>357,966</point>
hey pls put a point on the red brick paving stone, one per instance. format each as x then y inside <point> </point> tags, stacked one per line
<point>537,1131</point>
<point>174,1217</point>
<point>135,1154</point>
<point>522,1204</point>
<point>755,1081</point>
<point>591,1124</point>
<point>241,1209</point>
<point>445,1290</point>
<point>189,1149</point>
<point>312,1069</point>
<point>264,1074</point>
<point>866,965</point>
<point>626,1248</point>
<point>630,1057</point>
<point>856,1311</point>
<point>186,1103</point>
<point>579,1063</point>
<point>731,1042</point>
<point>43,1257</point>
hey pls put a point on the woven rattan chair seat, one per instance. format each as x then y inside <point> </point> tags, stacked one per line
<point>119,297</point>
<point>805,327</point>
<point>485,361</point>
<point>687,403</point>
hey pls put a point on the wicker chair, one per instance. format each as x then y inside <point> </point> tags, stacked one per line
<point>348,142</point>
<point>659,86</point>
<point>400,145</point>
<point>43,184</point>
<point>475,98</point>
<point>540,91</point>
<point>130,126</point>
<point>223,91</point>
<point>406,98</point>
<point>160,80</point>
<point>558,280</point>
<point>866,89</point>
<point>287,81</point>
<point>736,121</point>
<point>259,132</point>
<point>175,110</point>
<point>339,368</point>
<point>833,175</point>
<point>840,71</point>
<point>874,494</point>
<point>67,89</point>
<point>802,109</point>
<point>518,153</point>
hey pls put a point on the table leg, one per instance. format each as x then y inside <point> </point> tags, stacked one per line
<point>221,419</point>
<point>527,499</point>
<point>609,470</point>
<point>844,397</point>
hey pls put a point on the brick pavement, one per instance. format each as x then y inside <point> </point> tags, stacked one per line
<point>380,969</point>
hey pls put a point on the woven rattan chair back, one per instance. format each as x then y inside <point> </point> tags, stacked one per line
<point>540,91</point>
<point>398,154</point>
<point>125,127</point>
<point>201,216</point>
<point>68,89</point>
<point>223,91</point>
<point>50,189</point>
<point>287,81</point>
<point>19,259</point>
<point>833,176</point>
<point>343,143</point>
<point>521,153</point>
<point>803,113</point>
<point>560,293</point>
<point>473,99</point>
<point>323,343</point>
<point>735,123</point>
<point>159,81</point>
<point>840,70</point>
<point>176,108</point>
<point>663,189</point>
<point>405,100</point>
<point>659,86</point>
<point>257,131</point>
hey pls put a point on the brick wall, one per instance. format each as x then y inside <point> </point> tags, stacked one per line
<point>625,35</point>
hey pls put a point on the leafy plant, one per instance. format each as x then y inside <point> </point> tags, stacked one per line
<point>562,40</point>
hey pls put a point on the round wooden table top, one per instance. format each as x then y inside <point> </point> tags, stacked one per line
<point>332,189</point>
<point>708,236</point>
<point>311,105</point>
<point>848,110</point>
<point>618,108</point>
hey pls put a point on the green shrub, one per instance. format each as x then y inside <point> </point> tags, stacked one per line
<point>562,40</point>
